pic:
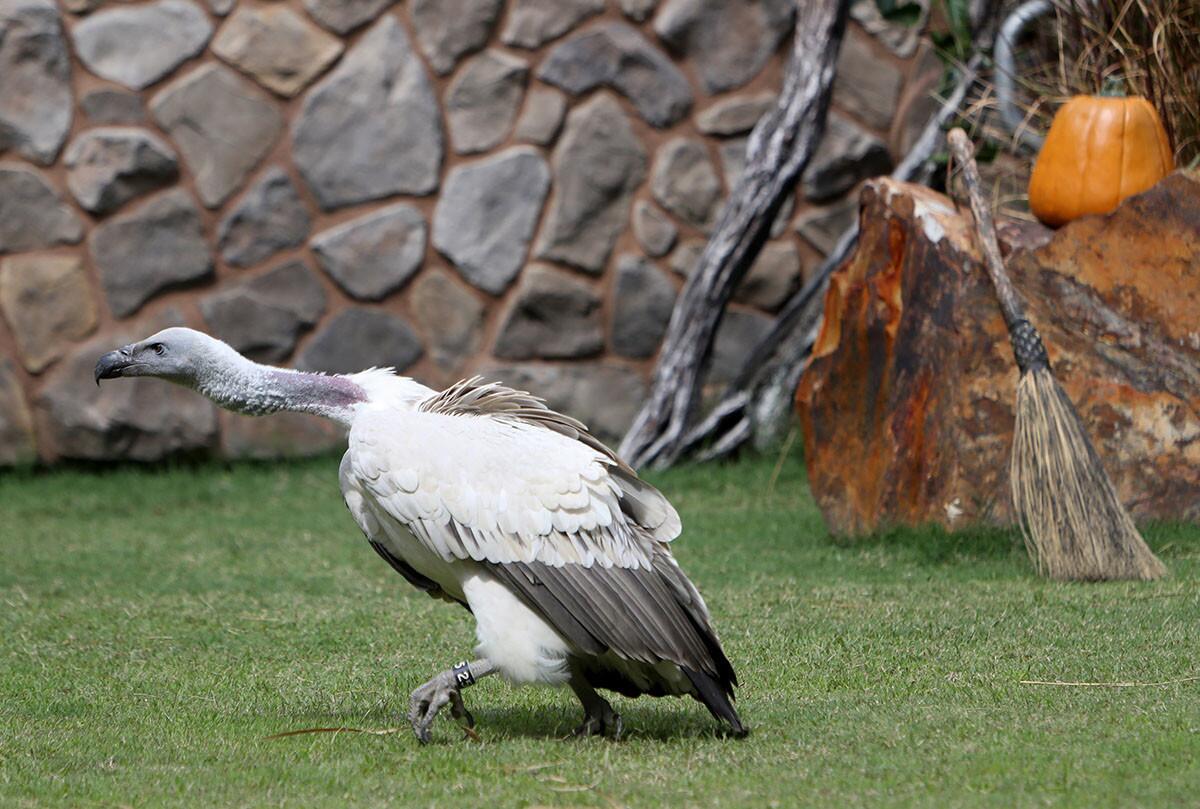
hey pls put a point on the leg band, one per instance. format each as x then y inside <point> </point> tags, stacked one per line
<point>462,675</point>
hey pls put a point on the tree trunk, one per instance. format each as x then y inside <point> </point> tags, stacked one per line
<point>778,150</point>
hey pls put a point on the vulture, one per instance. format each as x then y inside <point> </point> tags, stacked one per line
<point>483,496</point>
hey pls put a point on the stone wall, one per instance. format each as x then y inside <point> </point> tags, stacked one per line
<point>513,187</point>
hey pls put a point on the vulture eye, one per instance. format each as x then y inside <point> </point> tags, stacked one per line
<point>159,348</point>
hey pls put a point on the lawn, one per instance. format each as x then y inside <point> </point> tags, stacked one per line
<point>157,625</point>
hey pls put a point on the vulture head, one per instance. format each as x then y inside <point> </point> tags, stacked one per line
<point>179,355</point>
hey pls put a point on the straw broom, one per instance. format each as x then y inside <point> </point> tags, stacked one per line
<point>1074,525</point>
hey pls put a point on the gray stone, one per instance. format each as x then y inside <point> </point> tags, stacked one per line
<point>773,277</point>
<point>220,7</point>
<point>616,55</point>
<point>283,435</point>
<point>371,128</point>
<point>638,9</point>
<point>597,165</point>
<point>642,303</point>
<point>683,260</point>
<point>109,166</point>
<point>137,45</point>
<point>17,446</point>
<point>32,214</point>
<point>343,16</point>
<point>262,317</point>
<point>107,106</point>
<point>543,116</point>
<point>865,86</point>
<point>847,153</point>
<point>448,30</point>
<point>736,337</point>
<point>729,41</point>
<point>685,182</point>
<point>552,316</point>
<point>450,316</point>
<point>482,100</point>
<point>269,218</point>
<point>277,47</point>
<point>374,254</point>
<point>653,229</point>
<point>359,338</point>
<point>158,245</point>
<point>486,214</point>
<point>35,93</point>
<point>532,23</point>
<point>223,125</point>
<point>823,227</point>
<point>736,115</point>
<point>48,304</point>
<point>900,38</point>
<point>137,419</point>
<point>605,396</point>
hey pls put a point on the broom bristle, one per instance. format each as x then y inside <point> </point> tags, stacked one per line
<point>1075,528</point>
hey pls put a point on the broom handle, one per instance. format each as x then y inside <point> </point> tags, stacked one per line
<point>1026,342</point>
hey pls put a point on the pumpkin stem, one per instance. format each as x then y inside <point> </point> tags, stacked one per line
<point>1114,87</point>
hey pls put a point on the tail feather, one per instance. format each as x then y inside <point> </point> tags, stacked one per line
<point>715,697</point>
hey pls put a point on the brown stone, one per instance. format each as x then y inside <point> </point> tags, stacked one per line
<point>47,303</point>
<point>450,315</point>
<point>913,381</point>
<point>17,445</point>
<point>277,47</point>
<point>280,435</point>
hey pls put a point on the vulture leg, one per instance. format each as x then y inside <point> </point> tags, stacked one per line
<point>599,718</point>
<point>446,689</point>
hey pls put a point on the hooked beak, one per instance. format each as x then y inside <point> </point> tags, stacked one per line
<point>113,363</point>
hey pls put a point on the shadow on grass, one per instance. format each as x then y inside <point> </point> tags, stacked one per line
<point>934,545</point>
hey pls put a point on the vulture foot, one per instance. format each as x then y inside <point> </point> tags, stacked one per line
<point>599,718</point>
<point>428,700</point>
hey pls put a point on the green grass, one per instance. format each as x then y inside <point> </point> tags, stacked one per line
<point>157,625</point>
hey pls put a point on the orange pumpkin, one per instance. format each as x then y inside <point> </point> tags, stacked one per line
<point>1099,151</point>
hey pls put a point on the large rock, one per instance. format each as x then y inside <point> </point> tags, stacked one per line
<point>32,214</point>
<point>276,46</point>
<point>482,100</point>
<point>343,16</point>
<point>729,41</point>
<point>35,65</point>
<point>139,419</point>
<point>110,106</point>
<point>375,254</point>
<point>616,55</point>
<point>598,164</point>
<point>224,126</point>
<point>543,116</point>
<point>737,335</point>
<point>642,303</point>
<point>451,317</point>
<point>269,218</point>
<point>486,215</point>
<point>109,166</point>
<point>372,127</point>
<point>824,226</point>
<point>448,30</point>
<point>773,277</point>
<point>262,317</point>
<point>685,182</point>
<point>136,45</point>
<point>912,375</point>
<point>603,395</point>
<point>533,23</point>
<point>156,246</point>
<point>360,338</point>
<point>653,229</point>
<point>735,115</point>
<point>279,435</point>
<point>866,85</point>
<point>846,154</point>
<point>552,316</point>
<point>17,445</point>
<point>48,304</point>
